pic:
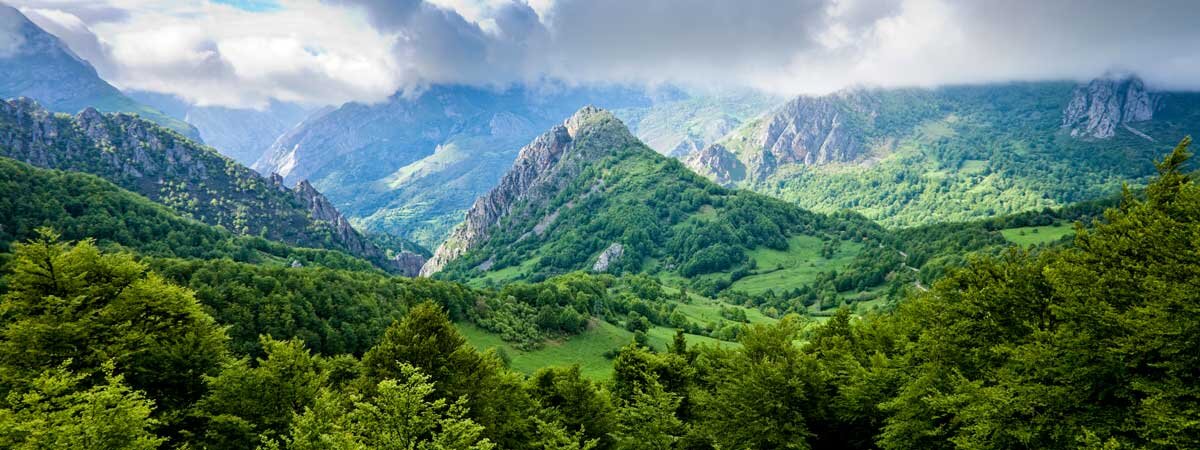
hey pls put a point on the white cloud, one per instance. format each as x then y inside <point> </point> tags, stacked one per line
<point>330,51</point>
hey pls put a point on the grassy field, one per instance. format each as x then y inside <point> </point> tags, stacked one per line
<point>1026,236</point>
<point>586,349</point>
<point>800,264</point>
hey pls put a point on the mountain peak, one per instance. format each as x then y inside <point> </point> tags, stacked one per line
<point>540,170</point>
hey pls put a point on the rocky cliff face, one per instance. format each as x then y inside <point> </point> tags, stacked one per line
<point>809,131</point>
<point>718,164</point>
<point>1098,108</point>
<point>193,180</point>
<point>534,177</point>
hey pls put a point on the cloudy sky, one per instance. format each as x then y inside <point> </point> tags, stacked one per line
<point>246,52</point>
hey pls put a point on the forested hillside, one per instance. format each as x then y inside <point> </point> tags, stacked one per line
<point>1092,345</point>
<point>193,180</point>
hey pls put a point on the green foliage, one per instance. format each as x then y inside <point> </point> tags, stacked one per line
<point>402,414</point>
<point>81,206</point>
<point>332,311</point>
<point>71,304</point>
<point>59,411</point>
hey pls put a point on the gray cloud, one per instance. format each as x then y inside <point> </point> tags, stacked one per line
<point>792,46</point>
<point>798,45</point>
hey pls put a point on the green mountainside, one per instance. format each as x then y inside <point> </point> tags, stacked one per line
<point>191,179</point>
<point>81,206</point>
<point>587,195</point>
<point>905,157</point>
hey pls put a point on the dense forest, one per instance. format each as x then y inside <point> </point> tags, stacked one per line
<point>1092,345</point>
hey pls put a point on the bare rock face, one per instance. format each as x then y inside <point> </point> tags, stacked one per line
<point>718,164</point>
<point>533,177</point>
<point>1098,108</point>
<point>609,257</point>
<point>809,131</point>
<point>408,263</point>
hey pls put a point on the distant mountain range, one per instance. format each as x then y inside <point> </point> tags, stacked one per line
<point>239,133</point>
<point>908,157</point>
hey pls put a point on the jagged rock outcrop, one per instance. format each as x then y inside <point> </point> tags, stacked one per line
<point>191,179</point>
<point>534,177</point>
<point>610,256</point>
<point>718,164</point>
<point>810,131</point>
<point>1098,108</point>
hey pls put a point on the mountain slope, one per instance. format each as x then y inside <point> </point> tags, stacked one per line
<point>36,64</point>
<point>243,134</point>
<point>678,127</point>
<point>81,206</point>
<point>589,195</point>
<point>411,165</point>
<point>191,179</point>
<point>907,157</point>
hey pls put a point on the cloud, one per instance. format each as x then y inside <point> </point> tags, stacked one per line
<point>331,51</point>
<point>237,55</point>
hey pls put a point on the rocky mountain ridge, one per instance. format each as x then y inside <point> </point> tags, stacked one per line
<point>1099,107</point>
<point>533,177</point>
<point>412,165</point>
<point>191,179</point>
<point>718,164</point>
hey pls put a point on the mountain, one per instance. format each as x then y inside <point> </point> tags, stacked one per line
<point>906,157</point>
<point>412,164</point>
<point>243,134</point>
<point>1097,109</point>
<point>718,163</point>
<point>38,65</point>
<point>83,206</point>
<point>588,195</point>
<point>189,178</point>
<point>678,127</point>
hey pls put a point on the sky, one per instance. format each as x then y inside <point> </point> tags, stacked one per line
<point>245,53</point>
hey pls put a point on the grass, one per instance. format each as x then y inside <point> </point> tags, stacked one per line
<point>586,349</point>
<point>800,264</point>
<point>1027,236</point>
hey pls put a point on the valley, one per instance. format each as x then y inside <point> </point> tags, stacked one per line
<point>562,225</point>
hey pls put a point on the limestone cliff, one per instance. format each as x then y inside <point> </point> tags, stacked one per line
<point>1099,107</point>
<point>718,164</point>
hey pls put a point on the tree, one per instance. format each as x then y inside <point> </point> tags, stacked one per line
<point>402,415</point>
<point>648,420</point>
<point>764,394</point>
<point>574,402</point>
<point>427,340</point>
<point>58,411</point>
<point>71,304</point>
<point>246,404</point>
